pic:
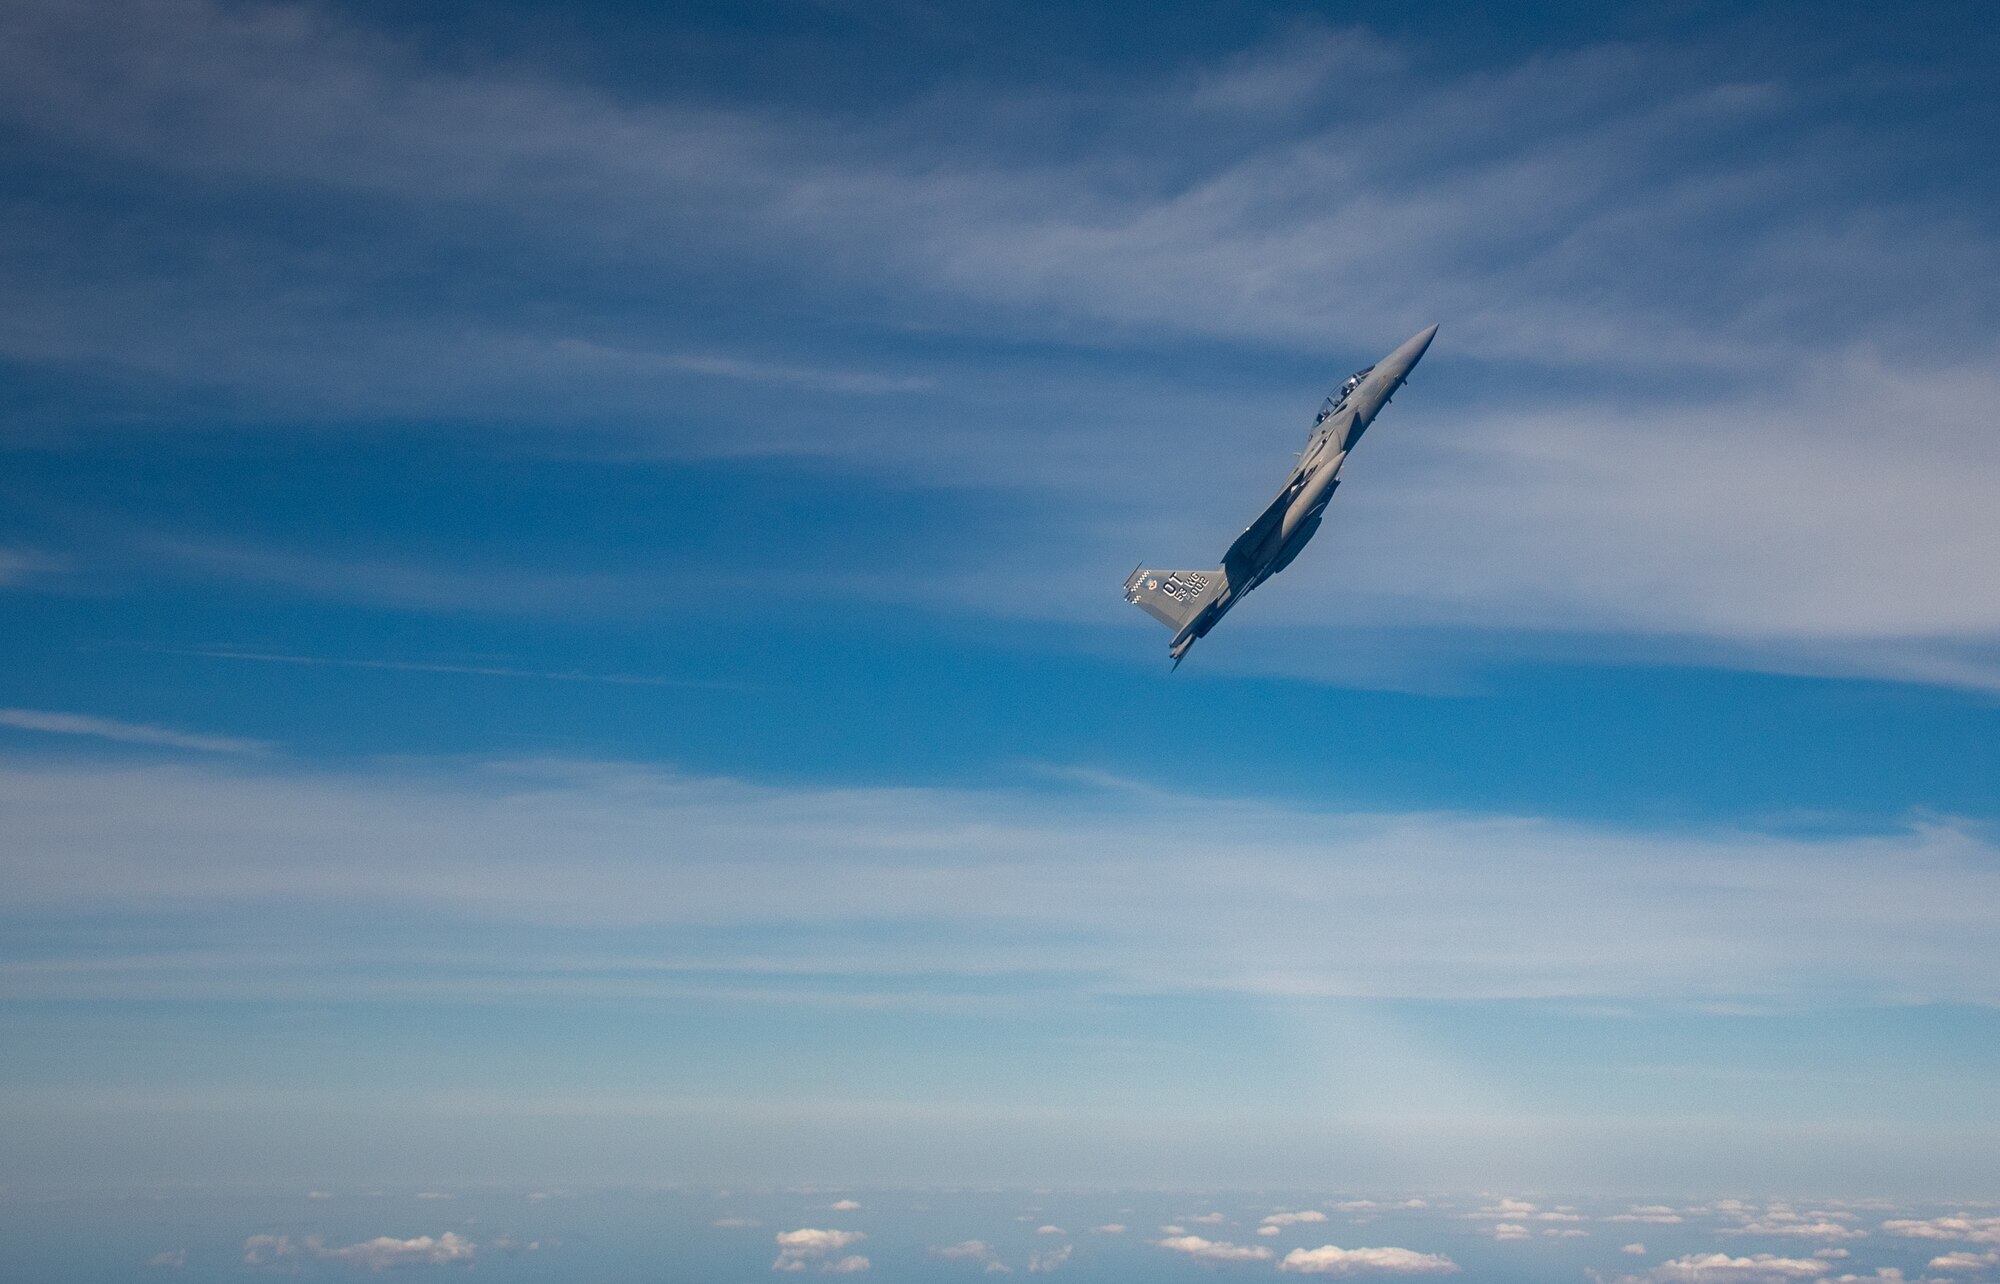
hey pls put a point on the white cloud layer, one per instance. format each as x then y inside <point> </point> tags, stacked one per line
<point>1142,891</point>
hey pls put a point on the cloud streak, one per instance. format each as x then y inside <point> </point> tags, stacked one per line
<point>135,733</point>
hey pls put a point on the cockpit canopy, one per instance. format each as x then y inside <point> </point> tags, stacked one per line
<point>1339,399</point>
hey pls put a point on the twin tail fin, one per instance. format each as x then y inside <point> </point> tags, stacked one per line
<point>1174,597</point>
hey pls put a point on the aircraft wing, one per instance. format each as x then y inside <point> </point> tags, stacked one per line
<point>1237,560</point>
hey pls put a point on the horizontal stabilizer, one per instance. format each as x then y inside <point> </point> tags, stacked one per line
<point>1174,597</point>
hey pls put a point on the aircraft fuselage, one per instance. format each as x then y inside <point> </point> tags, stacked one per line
<point>1289,521</point>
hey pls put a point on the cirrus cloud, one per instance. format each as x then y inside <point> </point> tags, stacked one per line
<point>137,733</point>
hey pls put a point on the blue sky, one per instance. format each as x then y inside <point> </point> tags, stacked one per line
<point>560,568</point>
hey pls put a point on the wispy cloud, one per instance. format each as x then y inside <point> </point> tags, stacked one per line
<point>418,666</point>
<point>1052,1259</point>
<point>1552,210</point>
<point>137,733</point>
<point>1671,418</point>
<point>23,565</point>
<point>401,583</point>
<point>728,367</point>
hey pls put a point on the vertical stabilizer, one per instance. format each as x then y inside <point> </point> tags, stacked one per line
<point>1174,597</point>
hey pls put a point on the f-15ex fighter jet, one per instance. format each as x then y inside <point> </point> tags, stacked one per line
<point>1190,602</point>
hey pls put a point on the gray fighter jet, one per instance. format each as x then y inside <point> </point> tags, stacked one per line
<point>1190,602</point>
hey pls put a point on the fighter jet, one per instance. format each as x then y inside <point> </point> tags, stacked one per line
<point>1190,602</point>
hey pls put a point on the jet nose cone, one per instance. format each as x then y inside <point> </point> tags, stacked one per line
<point>1401,361</point>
